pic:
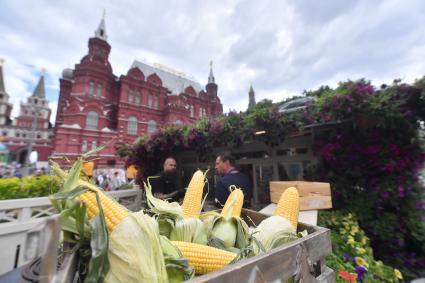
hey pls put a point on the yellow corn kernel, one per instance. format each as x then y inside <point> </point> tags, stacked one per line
<point>289,206</point>
<point>204,258</point>
<point>113,212</point>
<point>193,198</point>
<point>236,198</point>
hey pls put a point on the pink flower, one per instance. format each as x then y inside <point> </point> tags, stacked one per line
<point>401,193</point>
<point>385,195</point>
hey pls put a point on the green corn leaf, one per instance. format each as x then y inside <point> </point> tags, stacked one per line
<point>80,214</point>
<point>99,263</point>
<point>67,195</point>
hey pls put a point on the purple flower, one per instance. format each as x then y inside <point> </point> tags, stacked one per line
<point>390,167</point>
<point>361,273</point>
<point>385,195</point>
<point>394,149</point>
<point>371,150</point>
<point>348,257</point>
<point>401,193</point>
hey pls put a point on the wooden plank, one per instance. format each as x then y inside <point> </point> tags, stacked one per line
<point>327,276</point>
<point>313,195</point>
<point>304,188</point>
<point>315,202</point>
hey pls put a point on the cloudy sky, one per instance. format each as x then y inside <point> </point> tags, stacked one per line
<point>281,47</point>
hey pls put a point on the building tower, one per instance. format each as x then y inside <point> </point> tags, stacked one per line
<point>5,106</point>
<point>212,93</point>
<point>33,126</point>
<point>87,105</point>
<point>252,102</point>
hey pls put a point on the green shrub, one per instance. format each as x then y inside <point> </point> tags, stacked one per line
<point>28,187</point>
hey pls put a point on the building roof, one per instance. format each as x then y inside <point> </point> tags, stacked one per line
<point>176,82</point>
<point>211,79</point>
<point>39,90</point>
<point>101,30</point>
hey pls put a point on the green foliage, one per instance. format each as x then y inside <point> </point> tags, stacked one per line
<point>28,187</point>
<point>123,150</point>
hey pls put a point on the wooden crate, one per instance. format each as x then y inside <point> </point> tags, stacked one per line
<point>303,258</point>
<point>313,195</point>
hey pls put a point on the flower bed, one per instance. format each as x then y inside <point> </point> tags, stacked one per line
<point>352,257</point>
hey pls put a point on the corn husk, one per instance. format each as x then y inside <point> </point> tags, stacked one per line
<point>178,269</point>
<point>161,207</point>
<point>172,222</point>
<point>226,231</point>
<point>190,230</point>
<point>135,253</point>
<point>273,232</point>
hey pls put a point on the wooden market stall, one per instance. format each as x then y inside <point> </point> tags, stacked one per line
<point>261,162</point>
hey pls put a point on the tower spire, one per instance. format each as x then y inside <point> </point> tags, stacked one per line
<point>211,79</point>
<point>251,94</point>
<point>101,30</point>
<point>2,88</point>
<point>40,90</point>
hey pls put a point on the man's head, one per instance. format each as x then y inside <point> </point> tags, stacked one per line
<point>170,164</point>
<point>224,163</point>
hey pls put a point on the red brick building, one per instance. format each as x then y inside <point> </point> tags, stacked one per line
<point>30,130</point>
<point>96,107</point>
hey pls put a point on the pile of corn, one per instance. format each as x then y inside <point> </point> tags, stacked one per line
<point>200,243</point>
<point>221,251</point>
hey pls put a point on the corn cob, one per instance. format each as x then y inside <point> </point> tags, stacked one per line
<point>192,201</point>
<point>204,258</point>
<point>289,206</point>
<point>236,199</point>
<point>114,212</point>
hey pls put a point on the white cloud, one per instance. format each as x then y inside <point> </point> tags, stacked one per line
<point>281,47</point>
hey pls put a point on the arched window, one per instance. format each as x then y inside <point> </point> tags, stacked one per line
<point>132,125</point>
<point>192,111</point>
<point>178,122</point>
<point>91,88</point>
<point>130,97</point>
<point>150,102</point>
<point>92,120</point>
<point>155,102</point>
<point>99,90</point>
<point>151,127</point>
